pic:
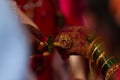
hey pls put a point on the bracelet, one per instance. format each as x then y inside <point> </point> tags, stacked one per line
<point>97,51</point>
<point>107,64</point>
<point>91,48</point>
<point>98,59</point>
<point>112,70</point>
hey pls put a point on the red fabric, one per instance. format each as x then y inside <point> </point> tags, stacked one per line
<point>42,67</point>
<point>118,74</point>
<point>72,11</point>
<point>44,17</point>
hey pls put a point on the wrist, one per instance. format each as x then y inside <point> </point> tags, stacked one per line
<point>96,53</point>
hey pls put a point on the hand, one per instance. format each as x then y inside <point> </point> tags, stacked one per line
<point>78,36</point>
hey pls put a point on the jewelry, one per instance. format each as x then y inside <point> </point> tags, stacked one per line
<point>101,55</point>
<point>106,62</point>
<point>46,53</point>
<point>41,46</point>
<point>92,48</point>
<point>97,47</point>
<point>111,70</point>
<point>97,53</point>
<point>65,41</point>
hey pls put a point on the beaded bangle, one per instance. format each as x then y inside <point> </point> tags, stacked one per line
<point>112,70</point>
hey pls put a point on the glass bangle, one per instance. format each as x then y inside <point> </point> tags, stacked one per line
<point>102,60</point>
<point>107,64</point>
<point>97,53</point>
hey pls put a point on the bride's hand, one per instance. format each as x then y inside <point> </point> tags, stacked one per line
<point>77,41</point>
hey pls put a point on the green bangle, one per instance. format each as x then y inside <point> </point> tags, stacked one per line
<point>91,37</point>
<point>102,60</point>
<point>97,53</point>
<point>99,58</point>
<point>93,48</point>
<point>107,64</point>
<point>112,70</point>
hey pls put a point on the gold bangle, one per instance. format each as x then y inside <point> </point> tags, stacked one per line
<point>101,55</point>
<point>89,49</point>
<point>91,45</point>
<point>96,48</point>
<point>111,70</point>
<point>106,62</point>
